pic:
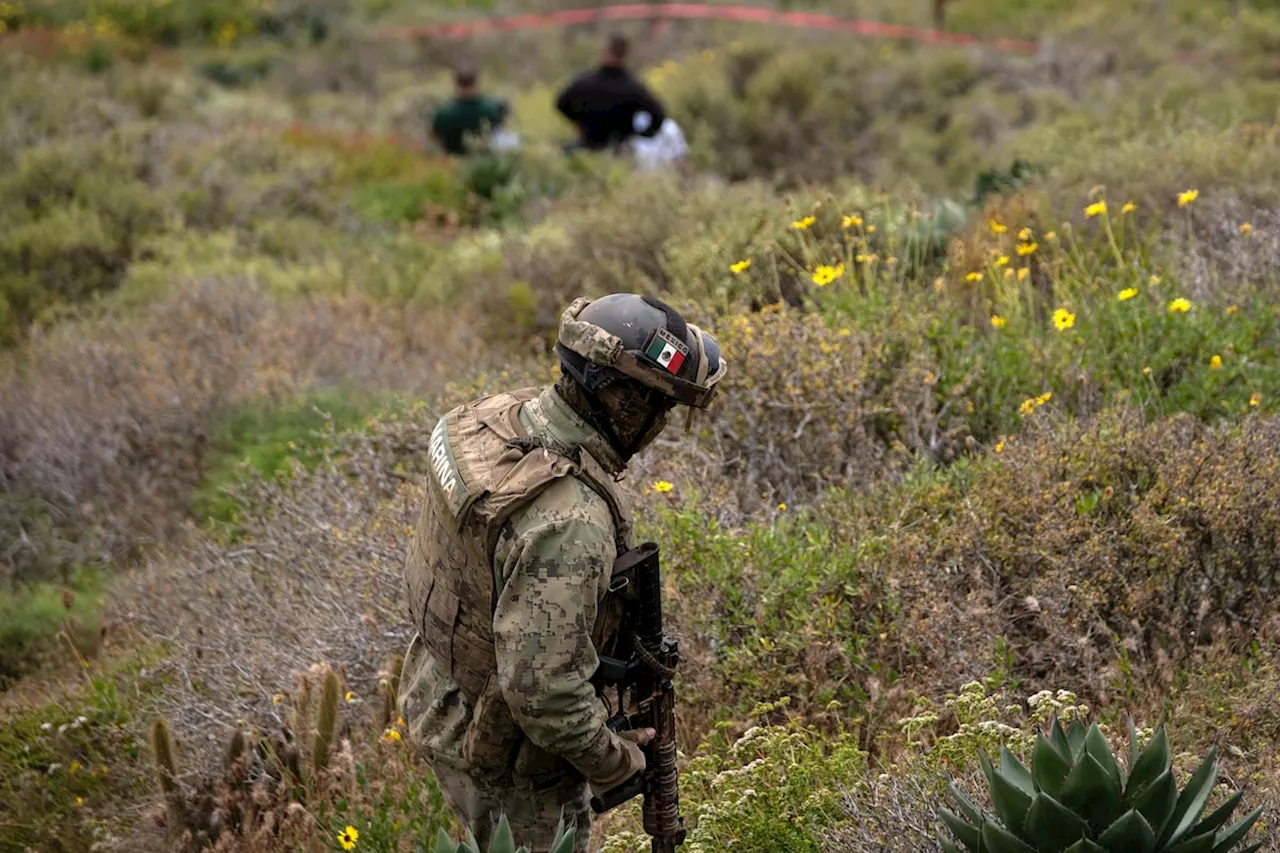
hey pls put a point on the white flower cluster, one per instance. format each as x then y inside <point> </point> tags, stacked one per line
<point>726,775</point>
<point>1047,704</point>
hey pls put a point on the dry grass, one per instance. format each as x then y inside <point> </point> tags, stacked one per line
<point>104,427</point>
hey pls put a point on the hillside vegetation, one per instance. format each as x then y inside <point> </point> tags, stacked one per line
<point>997,444</point>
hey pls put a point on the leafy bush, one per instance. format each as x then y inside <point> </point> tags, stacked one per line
<point>71,760</point>
<point>36,620</point>
<point>73,215</point>
<point>268,439</point>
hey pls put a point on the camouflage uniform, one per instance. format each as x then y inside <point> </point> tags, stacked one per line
<point>504,711</point>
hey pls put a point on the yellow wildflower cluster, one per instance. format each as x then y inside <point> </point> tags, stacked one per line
<point>1030,404</point>
<point>824,275</point>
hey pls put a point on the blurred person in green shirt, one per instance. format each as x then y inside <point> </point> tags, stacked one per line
<point>468,114</point>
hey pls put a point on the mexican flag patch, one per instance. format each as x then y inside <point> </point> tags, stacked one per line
<point>666,350</point>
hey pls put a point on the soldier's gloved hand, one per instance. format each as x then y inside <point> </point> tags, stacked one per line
<point>631,741</point>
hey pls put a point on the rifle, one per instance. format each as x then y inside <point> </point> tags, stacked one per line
<point>644,675</point>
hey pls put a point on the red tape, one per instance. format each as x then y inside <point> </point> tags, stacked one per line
<point>700,11</point>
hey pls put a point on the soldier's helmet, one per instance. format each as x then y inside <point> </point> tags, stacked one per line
<point>626,334</point>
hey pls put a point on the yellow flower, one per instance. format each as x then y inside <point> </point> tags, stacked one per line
<point>1231,309</point>
<point>1179,306</point>
<point>390,736</point>
<point>277,699</point>
<point>1185,198</point>
<point>1153,281</point>
<point>1129,207</point>
<point>1025,249</point>
<point>350,697</point>
<point>1096,209</point>
<point>1000,446</point>
<point>1146,371</point>
<point>973,276</point>
<point>1008,273</point>
<point>865,259</point>
<point>1127,294</point>
<point>1044,398</point>
<point>75,765</point>
<point>348,837</point>
<point>1025,235</point>
<point>79,801</point>
<point>740,266</point>
<point>802,224</point>
<point>1246,228</point>
<point>824,275</point>
<point>662,486</point>
<point>1255,398</point>
<point>1051,235</point>
<point>850,221</point>
<point>998,321</point>
<point>1003,260</point>
<point>782,507</point>
<point>871,229</point>
<point>1215,363</point>
<point>1063,319</point>
<point>997,228</point>
<point>1028,406</point>
<point>1024,273</point>
<point>400,721</point>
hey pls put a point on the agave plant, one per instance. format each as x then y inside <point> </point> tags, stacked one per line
<point>503,841</point>
<point>1076,798</point>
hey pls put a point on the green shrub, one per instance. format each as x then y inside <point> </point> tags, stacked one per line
<point>74,214</point>
<point>778,786</point>
<point>70,761</point>
<point>268,438</point>
<point>33,620</point>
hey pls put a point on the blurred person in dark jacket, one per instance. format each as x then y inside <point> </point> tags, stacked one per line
<point>603,103</point>
<point>468,114</point>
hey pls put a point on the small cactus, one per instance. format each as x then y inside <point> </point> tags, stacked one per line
<point>389,686</point>
<point>301,715</point>
<point>503,841</point>
<point>162,752</point>
<point>326,722</point>
<point>394,667</point>
<point>237,747</point>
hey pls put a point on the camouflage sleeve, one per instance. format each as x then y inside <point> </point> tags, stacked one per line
<point>554,570</point>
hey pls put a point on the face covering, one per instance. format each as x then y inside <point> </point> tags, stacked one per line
<point>635,416</point>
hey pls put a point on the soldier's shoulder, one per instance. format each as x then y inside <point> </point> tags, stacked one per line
<point>568,500</point>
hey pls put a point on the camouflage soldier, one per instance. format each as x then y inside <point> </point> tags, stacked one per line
<point>509,571</point>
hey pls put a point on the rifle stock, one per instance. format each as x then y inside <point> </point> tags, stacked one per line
<point>644,678</point>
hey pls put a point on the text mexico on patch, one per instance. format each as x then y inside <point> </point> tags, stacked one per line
<point>666,350</point>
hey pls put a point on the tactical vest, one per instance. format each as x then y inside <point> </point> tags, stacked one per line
<point>483,468</point>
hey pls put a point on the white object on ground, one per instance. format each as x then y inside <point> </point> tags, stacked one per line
<point>663,150</point>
